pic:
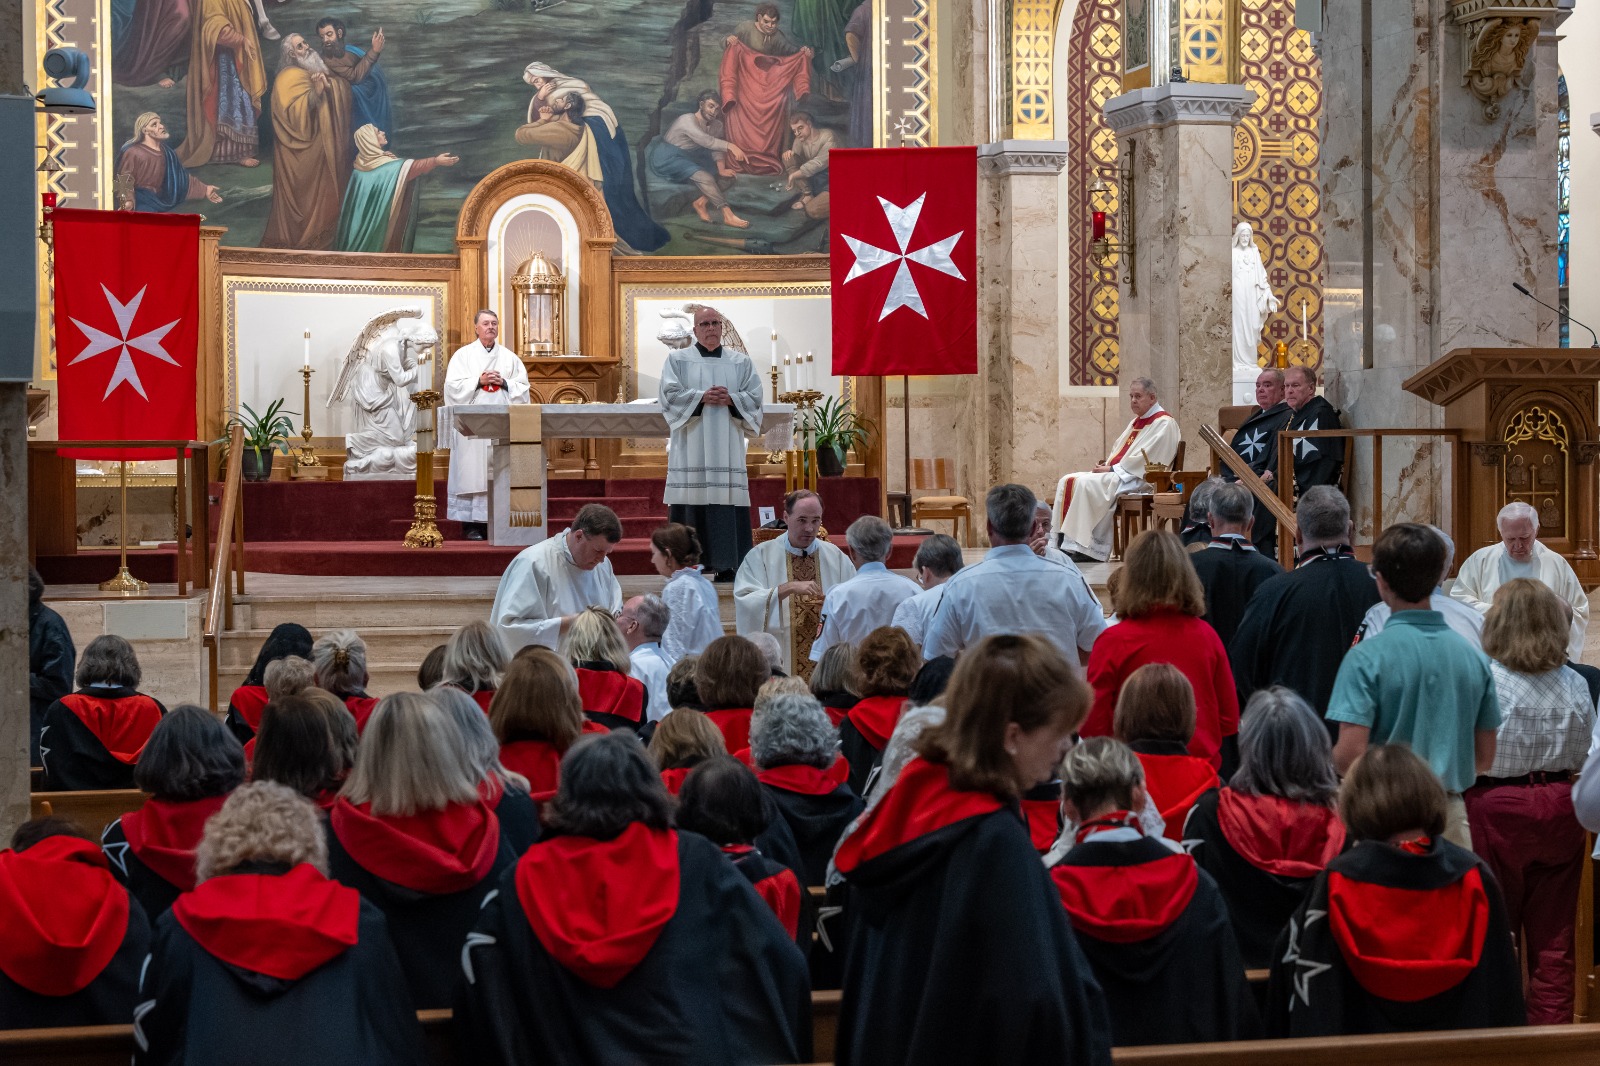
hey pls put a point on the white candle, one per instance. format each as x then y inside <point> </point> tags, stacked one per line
<point>308,349</point>
<point>805,370</point>
<point>787,385</point>
<point>1303,334</point>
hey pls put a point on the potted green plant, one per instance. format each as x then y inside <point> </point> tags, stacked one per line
<point>264,434</point>
<point>835,429</point>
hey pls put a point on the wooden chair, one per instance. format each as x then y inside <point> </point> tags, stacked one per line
<point>937,478</point>
<point>1134,510</point>
<point>91,810</point>
<point>1169,509</point>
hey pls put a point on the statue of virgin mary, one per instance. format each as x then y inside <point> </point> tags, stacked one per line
<point>1252,300</point>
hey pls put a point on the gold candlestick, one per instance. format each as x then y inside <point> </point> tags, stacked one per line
<point>124,582</point>
<point>800,466</point>
<point>307,467</point>
<point>424,531</point>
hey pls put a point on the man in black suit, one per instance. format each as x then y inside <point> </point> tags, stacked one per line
<point>1256,441</point>
<point>1230,567</point>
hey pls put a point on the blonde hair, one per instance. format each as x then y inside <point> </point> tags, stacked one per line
<point>1526,629</point>
<point>594,637</point>
<point>836,672</point>
<point>286,677</point>
<point>778,686</point>
<point>537,700</point>
<point>685,737</point>
<point>1157,573</point>
<point>340,659</point>
<point>1156,703</point>
<point>1100,774</point>
<point>412,758</point>
<point>474,658</point>
<point>262,822</point>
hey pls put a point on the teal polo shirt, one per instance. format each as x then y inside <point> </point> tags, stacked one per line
<point>1419,684</point>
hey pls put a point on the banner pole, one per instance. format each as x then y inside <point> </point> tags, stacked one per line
<point>125,582</point>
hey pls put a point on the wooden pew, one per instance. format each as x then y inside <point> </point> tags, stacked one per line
<point>91,810</point>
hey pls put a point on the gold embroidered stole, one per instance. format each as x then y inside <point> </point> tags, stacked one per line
<point>805,614</point>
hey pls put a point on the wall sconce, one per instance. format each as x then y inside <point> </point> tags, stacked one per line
<point>1102,250</point>
<point>541,293</point>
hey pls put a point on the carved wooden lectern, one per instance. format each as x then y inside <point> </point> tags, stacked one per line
<point>1530,417</point>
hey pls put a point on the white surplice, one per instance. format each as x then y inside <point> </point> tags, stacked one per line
<point>1086,502</point>
<point>758,609</point>
<point>469,457</point>
<point>696,618</point>
<point>541,586</point>
<point>705,460</point>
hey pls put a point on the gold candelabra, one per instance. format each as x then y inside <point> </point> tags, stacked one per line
<point>800,464</point>
<point>775,457</point>
<point>307,467</point>
<point>424,531</point>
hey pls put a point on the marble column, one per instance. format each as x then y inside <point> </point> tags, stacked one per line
<point>1010,431</point>
<point>1177,303</point>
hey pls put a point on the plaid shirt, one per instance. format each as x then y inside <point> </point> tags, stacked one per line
<point>1546,721</point>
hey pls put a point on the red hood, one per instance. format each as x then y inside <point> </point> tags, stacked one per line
<point>63,913</point>
<point>361,709</point>
<point>164,835</point>
<point>122,724</point>
<point>1044,821</point>
<point>1280,836</point>
<point>1408,944</point>
<point>537,760</point>
<point>875,716</point>
<point>922,801</point>
<point>1123,904</point>
<point>249,701</point>
<point>611,692</point>
<point>673,778</point>
<point>807,780</point>
<point>598,906</point>
<point>1175,783</point>
<point>483,697</point>
<point>436,852</point>
<point>283,925</point>
<point>734,722</point>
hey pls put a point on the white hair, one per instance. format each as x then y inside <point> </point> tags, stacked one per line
<point>769,647</point>
<point>1514,511</point>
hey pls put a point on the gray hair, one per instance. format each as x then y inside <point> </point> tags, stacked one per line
<point>477,315</point>
<point>939,553</point>
<point>792,728</point>
<point>870,538</point>
<point>411,759</point>
<point>1284,750</point>
<point>1099,772</point>
<point>109,660</point>
<point>1200,498</point>
<point>340,662</point>
<point>769,647</point>
<point>1324,516</point>
<point>1272,372</point>
<point>287,676</point>
<point>1231,504</point>
<point>478,745</point>
<point>1449,550</point>
<point>1143,385</point>
<point>653,615</point>
<point>1515,511</point>
<point>1010,511</point>
<point>475,657</point>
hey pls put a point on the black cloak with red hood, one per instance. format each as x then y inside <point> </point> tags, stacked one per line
<point>72,940</point>
<point>1396,939</point>
<point>864,734</point>
<point>649,947</point>
<point>269,965</point>
<point>152,849</point>
<point>610,697</point>
<point>92,738</point>
<point>816,806</point>
<point>429,874</point>
<point>958,947</point>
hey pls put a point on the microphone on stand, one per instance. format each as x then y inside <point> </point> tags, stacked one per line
<point>1524,290</point>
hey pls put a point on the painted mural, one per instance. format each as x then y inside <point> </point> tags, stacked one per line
<point>361,125</point>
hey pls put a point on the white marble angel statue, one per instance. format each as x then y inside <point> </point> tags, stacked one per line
<point>378,376</point>
<point>1253,300</point>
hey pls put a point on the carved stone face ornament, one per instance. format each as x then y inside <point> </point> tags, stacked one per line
<point>1497,36</point>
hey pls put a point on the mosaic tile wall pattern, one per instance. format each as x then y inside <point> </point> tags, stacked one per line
<point>1094,57</point>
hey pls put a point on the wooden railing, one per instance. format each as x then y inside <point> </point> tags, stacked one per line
<point>1282,510</point>
<point>229,557</point>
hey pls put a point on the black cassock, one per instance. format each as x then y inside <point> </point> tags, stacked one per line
<point>816,806</point>
<point>92,738</point>
<point>269,965</point>
<point>958,948</point>
<point>1263,852</point>
<point>73,939</point>
<point>647,947</point>
<point>429,874</point>
<point>152,849</point>
<point>1156,933</point>
<point>1395,939</point>
<point>1230,575</point>
<point>1256,442</point>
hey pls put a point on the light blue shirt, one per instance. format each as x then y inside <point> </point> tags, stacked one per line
<point>1014,591</point>
<point>854,608</point>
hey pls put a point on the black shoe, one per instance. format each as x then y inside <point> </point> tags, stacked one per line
<point>1079,557</point>
<point>724,578</point>
<point>477,531</point>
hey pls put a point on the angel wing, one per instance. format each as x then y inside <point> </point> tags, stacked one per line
<point>358,351</point>
<point>730,336</point>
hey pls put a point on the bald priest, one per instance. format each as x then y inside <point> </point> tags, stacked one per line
<point>1086,502</point>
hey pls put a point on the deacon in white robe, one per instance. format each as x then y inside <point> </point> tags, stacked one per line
<point>1519,554</point>
<point>781,583</point>
<point>483,373</point>
<point>549,584</point>
<point>1086,502</point>
<point>711,396</point>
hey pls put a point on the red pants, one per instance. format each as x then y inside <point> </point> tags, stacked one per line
<point>1532,841</point>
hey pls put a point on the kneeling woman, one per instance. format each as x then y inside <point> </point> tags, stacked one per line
<point>618,939</point>
<point>959,950</point>
<point>1152,924</point>
<point>267,960</point>
<point>1403,932</point>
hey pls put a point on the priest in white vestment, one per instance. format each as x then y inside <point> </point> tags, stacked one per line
<point>1086,502</point>
<point>711,397</point>
<point>548,585</point>
<point>781,584</point>
<point>1519,554</point>
<point>483,373</point>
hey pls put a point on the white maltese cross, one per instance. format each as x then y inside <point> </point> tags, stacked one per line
<point>101,342</point>
<point>903,291</point>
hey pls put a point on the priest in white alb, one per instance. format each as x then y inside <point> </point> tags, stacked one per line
<point>1086,502</point>
<point>548,585</point>
<point>1519,554</point>
<point>483,372</point>
<point>711,397</point>
<point>782,582</point>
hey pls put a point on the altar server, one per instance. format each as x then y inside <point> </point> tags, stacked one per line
<point>484,373</point>
<point>711,397</point>
<point>781,584</point>
<point>551,583</point>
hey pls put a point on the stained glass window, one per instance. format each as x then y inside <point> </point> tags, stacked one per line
<point>1563,200</point>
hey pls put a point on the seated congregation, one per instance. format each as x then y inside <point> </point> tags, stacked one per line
<point>1039,847</point>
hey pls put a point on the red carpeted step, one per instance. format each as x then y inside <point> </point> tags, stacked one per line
<point>577,486</point>
<point>565,507</point>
